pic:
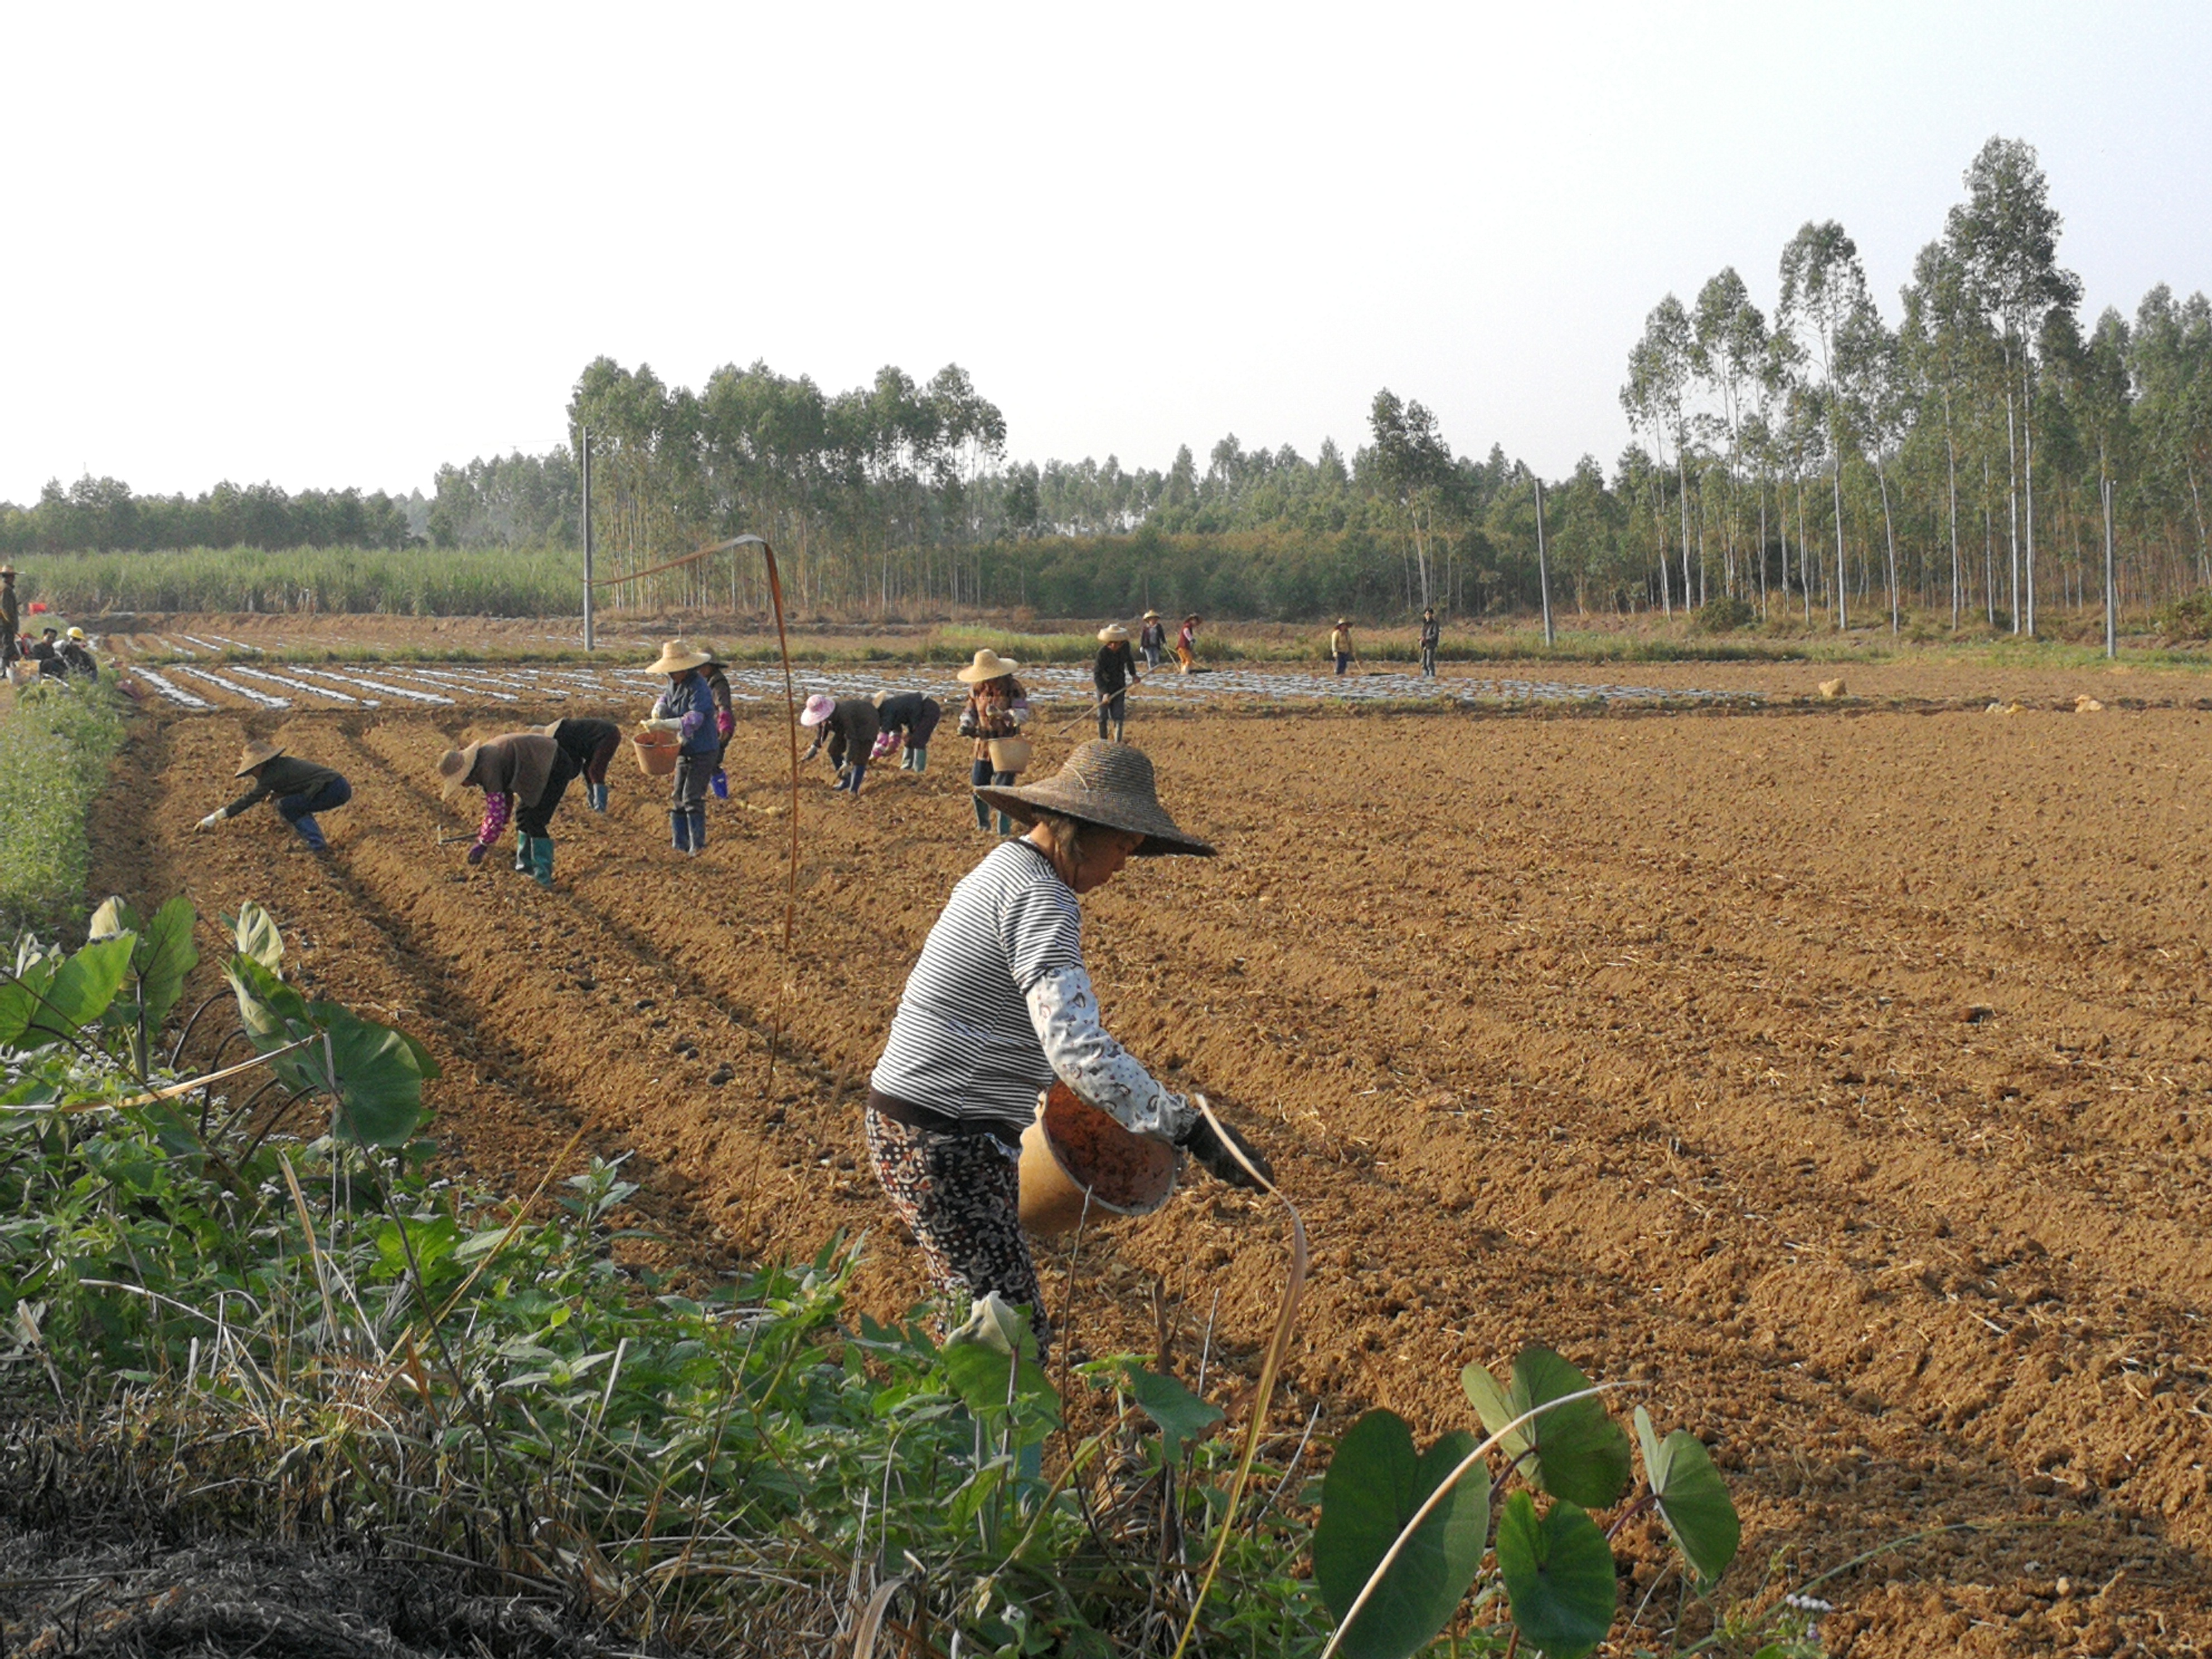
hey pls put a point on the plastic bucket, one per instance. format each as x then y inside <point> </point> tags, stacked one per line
<point>1010,754</point>
<point>656,752</point>
<point>1076,1152</point>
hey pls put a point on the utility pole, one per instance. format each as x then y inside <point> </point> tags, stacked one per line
<point>586,435</point>
<point>1543,564</point>
<point>2112,583</point>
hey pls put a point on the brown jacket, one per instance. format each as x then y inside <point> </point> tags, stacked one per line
<point>514,764</point>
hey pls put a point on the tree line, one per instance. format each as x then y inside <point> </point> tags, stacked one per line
<point>1962,464</point>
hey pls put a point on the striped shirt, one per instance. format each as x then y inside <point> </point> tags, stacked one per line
<point>963,1041</point>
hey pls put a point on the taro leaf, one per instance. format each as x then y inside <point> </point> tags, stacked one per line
<point>1580,1452</point>
<point>165,955</point>
<point>115,916</point>
<point>1692,1498</point>
<point>379,1090</point>
<point>1181,1415</point>
<point>54,999</point>
<point>979,1356</point>
<point>259,938</point>
<point>1558,1571</point>
<point>273,1014</point>
<point>1374,1484</point>
<point>323,1013</point>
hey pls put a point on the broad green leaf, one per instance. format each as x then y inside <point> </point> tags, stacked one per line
<point>1692,1498</point>
<point>1580,1453</point>
<point>1374,1485</point>
<point>1558,1571</point>
<point>1181,1414</point>
<point>165,957</point>
<point>259,938</point>
<point>379,1090</point>
<point>54,1002</point>
<point>20,998</point>
<point>979,1360</point>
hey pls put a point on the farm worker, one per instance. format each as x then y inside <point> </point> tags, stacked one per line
<point>998,1005</point>
<point>522,774</point>
<point>299,788</point>
<point>48,654</point>
<point>76,655</point>
<point>913,716</point>
<point>590,746</point>
<point>1114,671</point>
<point>849,728</point>
<point>1152,639</point>
<point>725,722</point>
<point>687,708</point>
<point>1432,632</point>
<point>1339,644</point>
<point>1186,644</point>
<point>997,709</point>
<point>11,616</point>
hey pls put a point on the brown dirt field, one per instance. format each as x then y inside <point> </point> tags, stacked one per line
<point>1838,1079</point>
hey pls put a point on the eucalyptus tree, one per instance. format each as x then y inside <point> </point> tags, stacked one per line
<point>2170,358</point>
<point>1877,399</point>
<point>2097,388</point>
<point>1940,332</point>
<point>2005,235</point>
<point>1728,351</point>
<point>1823,284</point>
<point>1414,465</point>
<point>1656,400</point>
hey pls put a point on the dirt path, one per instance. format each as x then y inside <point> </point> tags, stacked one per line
<point>1841,1080</point>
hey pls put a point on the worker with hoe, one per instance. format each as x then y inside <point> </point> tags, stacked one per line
<point>1111,675</point>
<point>1432,632</point>
<point>11,616</point>
<point>1152,639</point>
<point>687,709</point>
<point>907,716</point>
<point>523,775</point>
<point>717,674</point>
<point>1187,643</point>
<point>849,728</point>
<point>998,1005</point>
<point>299,788</point>
<point>1339,644</point>
<point>997,708</point>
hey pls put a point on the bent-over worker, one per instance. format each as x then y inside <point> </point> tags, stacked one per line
<point>849,727</point>
<point>300,789</point>
<point>590,745</point>
<point>687,708</point>
<point>912,716</point>
<point>998,1005</point>
<point>515,771</point>
<point>1111,675</point>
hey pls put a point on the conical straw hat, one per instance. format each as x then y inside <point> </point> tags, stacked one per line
<point>256,754</point>
<point>1106,783</point>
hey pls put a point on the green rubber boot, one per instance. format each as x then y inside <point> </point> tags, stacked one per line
<point>541,859</point>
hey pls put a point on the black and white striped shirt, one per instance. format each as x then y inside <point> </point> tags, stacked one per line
<point>963,1041</point>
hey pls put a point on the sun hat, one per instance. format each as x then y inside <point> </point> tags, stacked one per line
<point>1151,616</point>
<point>1104,783</point>
<point>989,666</point>
<point>453,768</point>
<point>819,707</point>
<point>676,658</point>
<point>256,754</point>
<point>77,633</point>
<point>1344,621</point>
<point>8,570</point>
<point>1113,633</point>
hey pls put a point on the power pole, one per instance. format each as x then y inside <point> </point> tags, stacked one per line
<point>2112,583</point>
<point>1543,564</point>
<point>586,432</point>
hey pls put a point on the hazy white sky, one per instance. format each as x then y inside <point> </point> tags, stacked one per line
<point>328,244</point>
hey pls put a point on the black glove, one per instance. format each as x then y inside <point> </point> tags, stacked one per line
<point>476,852</point>
<point>1202,1144</point>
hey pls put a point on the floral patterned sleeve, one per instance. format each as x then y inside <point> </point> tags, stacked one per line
<point>1064,1009</point>
<point>496,807</point>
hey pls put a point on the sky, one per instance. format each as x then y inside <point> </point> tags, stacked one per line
<point>337,243</point>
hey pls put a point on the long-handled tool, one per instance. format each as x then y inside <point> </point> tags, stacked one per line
<point>1096,708</point>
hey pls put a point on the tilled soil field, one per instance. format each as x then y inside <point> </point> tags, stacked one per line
<point>1838,1079</point>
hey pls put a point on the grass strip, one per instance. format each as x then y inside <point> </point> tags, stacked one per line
<point>56,739</point>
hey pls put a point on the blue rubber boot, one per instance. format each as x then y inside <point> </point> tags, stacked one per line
<point>860,773</point>
<point>720,783</point>
<point>595,797</point>
<point>679,830</point>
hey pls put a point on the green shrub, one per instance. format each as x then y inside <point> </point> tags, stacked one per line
<point>55,744</point>
<point>1724,615</point>
<point>2189,618</point>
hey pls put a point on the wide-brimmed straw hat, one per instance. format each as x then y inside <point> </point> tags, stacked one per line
<point>454,768</point>
<point>819,707</point>
<point>1105,783</point>
<point>1344,621</point>
<point>989,666</point>
<point>1113,633</point>
<point>8,570</point>
<point>1149,616</point>
<point>256,754</point>
<point>676,658</point>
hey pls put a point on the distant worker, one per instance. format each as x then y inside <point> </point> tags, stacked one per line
<point>299,788</point>
<point>1432,632</point>
<point>523,775</point>
<point>997,710</point>
<point>47,654</point>
<point>1111,675</point>
<point>687,709</point>
<point>1152,639</point>
<point>1339,644</point>
<point>1187,643</point>
<point>76,655</point>
<point>913,717</point>
<point>998,1006</point>
<point>849,728</point>
<point>12,617</point>
<point>726,723</point>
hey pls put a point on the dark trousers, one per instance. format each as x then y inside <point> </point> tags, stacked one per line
<point>1343,661</point>
<point>1113,710</point>
<point>536,820</point>
<point>1428,661</point>
<point>299,810</point>
<point>590,744</point>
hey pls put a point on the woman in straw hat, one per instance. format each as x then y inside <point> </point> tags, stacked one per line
<point>299,788</point>
<point>523,775</point>
<point>997,709</point>
<point>910,716</point>
<point>849,728</point>
<point>1152,639</point>
<point>1111,674</point>
<point>998,1005</point>
<point>687,708</point>
<point>1187,643</point>
<point>1339,645</point>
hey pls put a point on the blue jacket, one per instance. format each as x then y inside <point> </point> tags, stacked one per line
<point>691,701</point>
